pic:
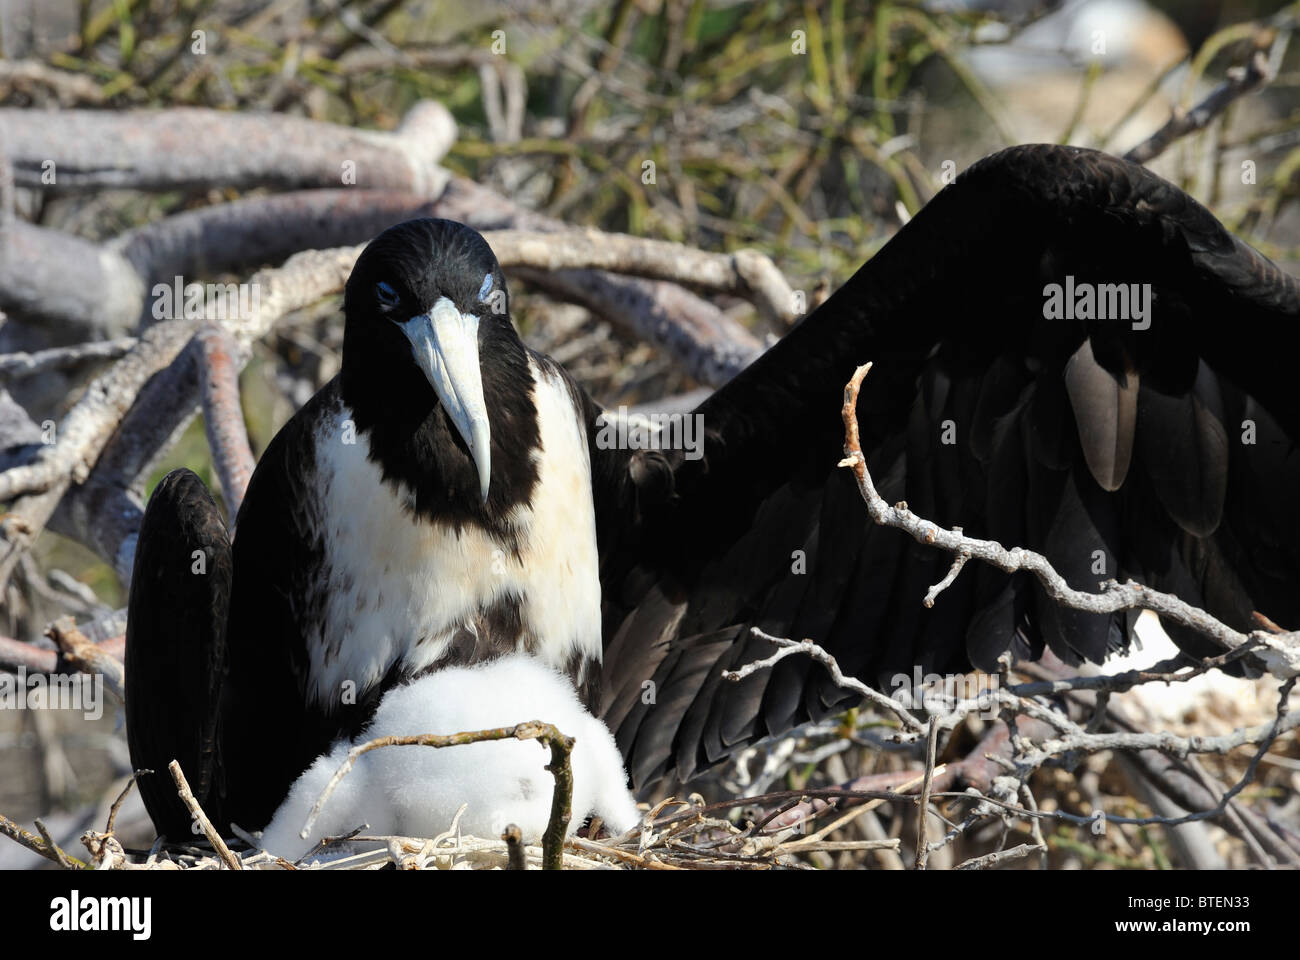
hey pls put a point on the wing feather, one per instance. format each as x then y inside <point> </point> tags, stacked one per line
<point>1162,448</point>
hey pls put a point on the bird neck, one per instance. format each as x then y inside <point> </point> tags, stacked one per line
<point>418,448</point>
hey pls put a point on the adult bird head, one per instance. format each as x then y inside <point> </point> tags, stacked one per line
<point>433,371</point>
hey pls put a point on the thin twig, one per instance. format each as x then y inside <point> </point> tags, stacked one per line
<point>61,858</point>
<point>998,857</point>
<point>922,808</point>
<point>201,818</point>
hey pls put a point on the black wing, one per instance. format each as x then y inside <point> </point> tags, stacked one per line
<point>1167,454</point>
<point>175,647</point>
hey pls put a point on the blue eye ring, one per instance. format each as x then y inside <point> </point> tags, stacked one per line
<point>387,296</point>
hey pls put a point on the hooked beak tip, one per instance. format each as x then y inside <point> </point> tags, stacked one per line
<point>481,451</point>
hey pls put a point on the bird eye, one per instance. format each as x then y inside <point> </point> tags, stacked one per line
<point>386,295</point>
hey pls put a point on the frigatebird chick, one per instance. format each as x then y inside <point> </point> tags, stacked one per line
<point>415,791</point>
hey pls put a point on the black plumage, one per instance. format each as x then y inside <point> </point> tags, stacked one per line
<point>1107,448</point>
<point>1165,451</point>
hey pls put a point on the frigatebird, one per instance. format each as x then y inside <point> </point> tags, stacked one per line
<point>1071,355</point>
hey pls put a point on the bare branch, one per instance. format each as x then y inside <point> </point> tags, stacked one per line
<point>46,848</point>
<point>999,857</point>
<point>746,273</point>
<point>1240,81</point>
<point>874,697</point>
<point>90,151</point>
<point>223,417</point>
<point>15,366</point>
<point>82,434</point>
<point>88,657</point>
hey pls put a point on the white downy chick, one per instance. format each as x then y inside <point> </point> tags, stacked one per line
<point>416,790</point>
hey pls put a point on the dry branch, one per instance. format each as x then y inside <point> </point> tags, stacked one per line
<point>1241,81</point>
<point>15,366</point>
<point>82,435</point>
<point>46,847</point>
<point>36,267</point>
<point>223,417</point>
<point>201,818</point>
<point>114,292</point>
<point>136,149</point>
<point>18,654</point>
<point>999,857</point>
<point>79,652</point>
<point>789,647</point>
<point>746,273</point>
<point>156,150</point>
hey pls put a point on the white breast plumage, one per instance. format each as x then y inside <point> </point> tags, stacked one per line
<point>397,587</point>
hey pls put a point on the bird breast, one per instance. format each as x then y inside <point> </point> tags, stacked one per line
<point>402,591</point>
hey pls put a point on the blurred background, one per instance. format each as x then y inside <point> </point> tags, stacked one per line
<point>810,131</point>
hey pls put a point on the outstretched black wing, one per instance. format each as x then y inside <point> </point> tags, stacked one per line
<point>175,647</point>
<point>1158,446</point>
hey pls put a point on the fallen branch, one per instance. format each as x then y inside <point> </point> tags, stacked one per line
<point>90,151</point>
<point>745,273</point>
<point>223,417</point>
<point>82,435</point>
<point>15,366</point>
<point>79,652</point>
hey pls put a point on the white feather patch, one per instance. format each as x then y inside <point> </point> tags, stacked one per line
<point>415,791</point>
<point>391,579</point>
